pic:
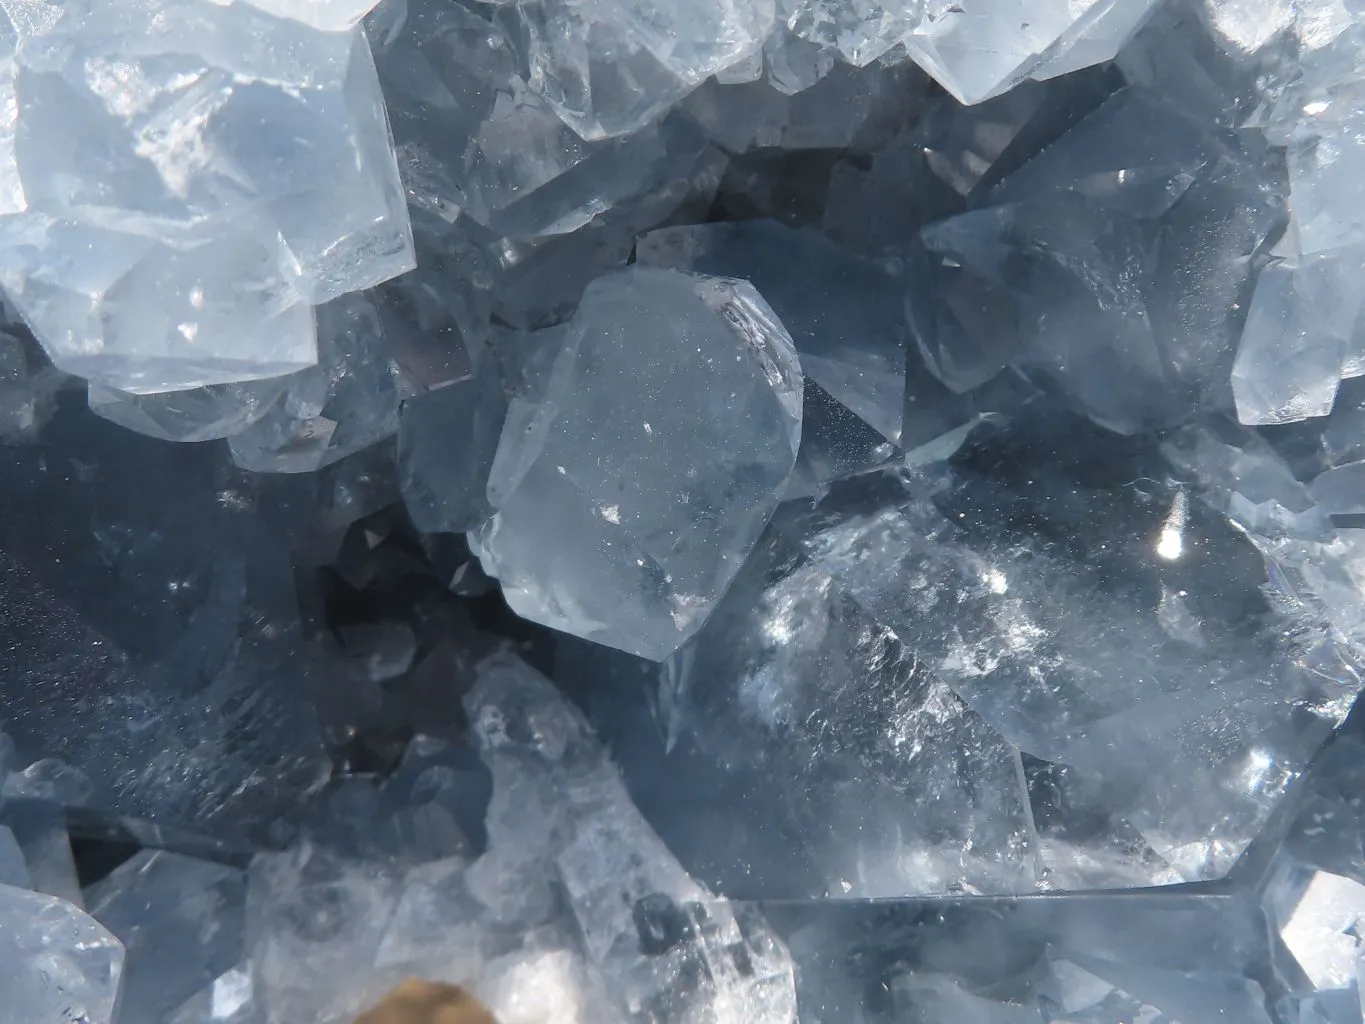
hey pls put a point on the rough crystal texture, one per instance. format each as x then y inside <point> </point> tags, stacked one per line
<point>1053,665</point>
<point>56,964</point>
<point>156,244</point>
<point>575,912</point>
<point>667,950</point>
<point>610,523</point>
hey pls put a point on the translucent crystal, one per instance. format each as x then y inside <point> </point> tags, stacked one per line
<point>1316,914</point>
<point>610,68</point>
<point>13,869</point>
<point>596,97</point>
<point>1077,773</point>
<point>161,245</point>
<point>28,385</point>
<point>1088,959</point>
<point>199,414</point>
<point>666,949</point>
<point>1326,171</point>
<point>57,963</point>
<point>541,985</point>
<point>1150,247</point>
<point>950,156</point>
<point>1299,333</point>
<point>228,999</point>
<point>38,828</point>
<point>132,657</point>
<point>831,113</point>
<point>317,920</point>
<point>844,314</point>
<point>180,921</point>
<point>444,487</point>
<point>659,531</point>
<point>974,50</point>
<point>347,402</point>
<point>329,15</point>
<point>138,316</point>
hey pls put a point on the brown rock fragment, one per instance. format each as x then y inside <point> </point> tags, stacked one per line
<point>427,1002</point>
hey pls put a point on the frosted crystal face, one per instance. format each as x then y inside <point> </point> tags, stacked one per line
<point>610,522</point>
<point>56,964</point>
<point>184,191</point>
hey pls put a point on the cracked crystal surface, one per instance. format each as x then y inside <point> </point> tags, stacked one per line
<point>662,512</point>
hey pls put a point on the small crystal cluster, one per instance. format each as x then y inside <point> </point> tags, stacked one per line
<point>682,511</point>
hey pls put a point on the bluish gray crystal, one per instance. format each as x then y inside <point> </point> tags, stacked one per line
<point>1083,683</point>
<point>347,402</point>
<point>844,314</point>
<point>188,251</point>
<point>1302,335</point>
<point>57,963</point>
<point>658,530</point>
<point>667,950</point>
<point>180,921</point>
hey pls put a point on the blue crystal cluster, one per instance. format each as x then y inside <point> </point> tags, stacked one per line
<point>682,511</point>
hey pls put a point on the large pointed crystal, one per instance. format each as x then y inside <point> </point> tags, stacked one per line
<point>629,495</point>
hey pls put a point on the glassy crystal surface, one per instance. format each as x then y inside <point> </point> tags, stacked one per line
<point>199,414</point>
<point>1149,248</point>
<point>665,947</point>
<point>58,964</point>
<point>657,531</point>
<point>1301,336</point>
<point>975,51</point>
<point>844,314</point>
<point>347,402</point>
<point>330,15</point>
<point>1089,958</point>
<point>646,512</point>
<point>180,921</point>
<point>987,620</point>
<point>155,243</point>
